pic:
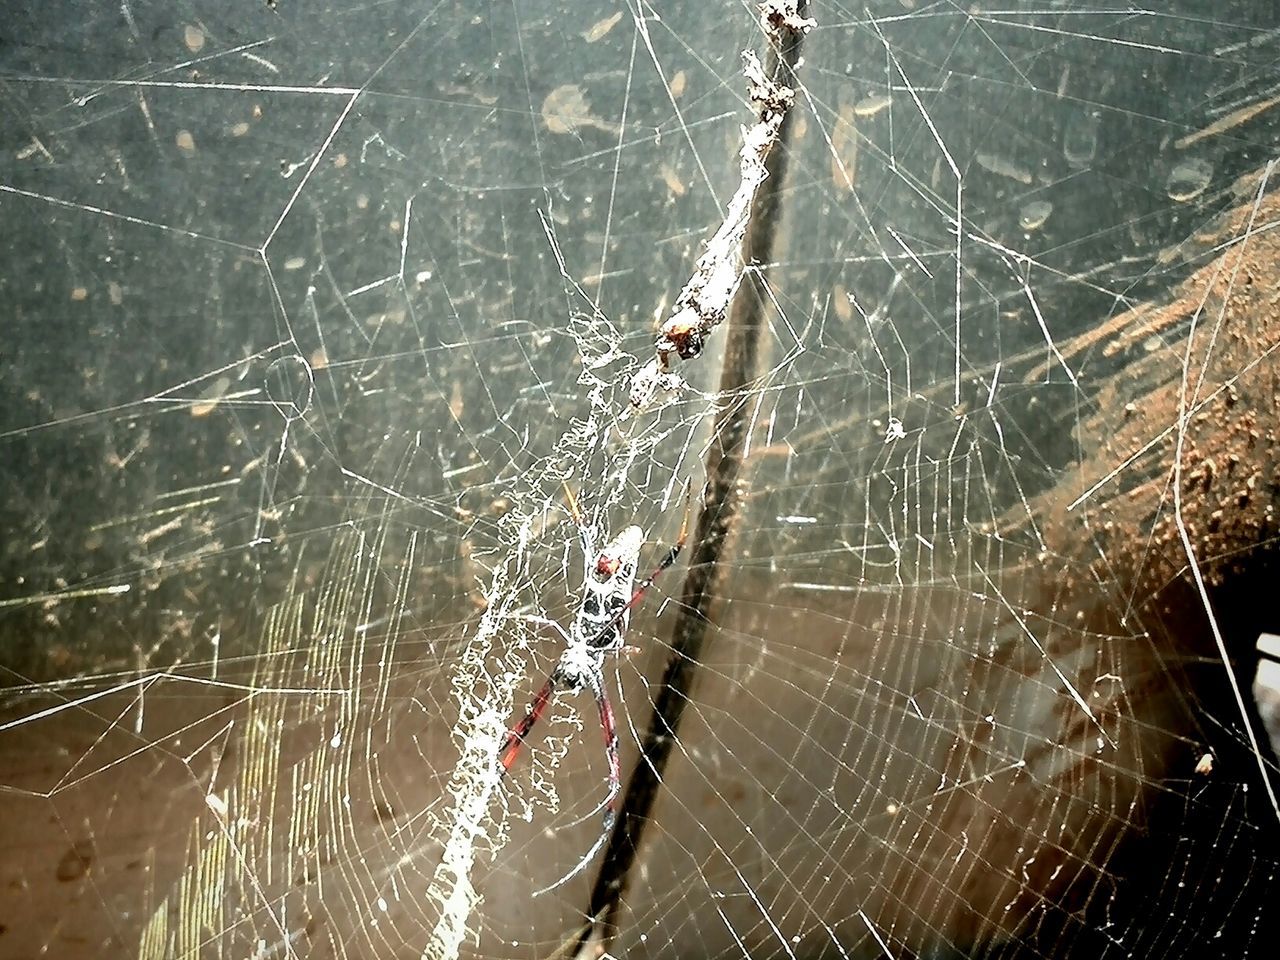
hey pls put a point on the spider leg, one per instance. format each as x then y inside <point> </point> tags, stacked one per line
<point>515,738</point>
<point>545,622</point>
<point>609,729</point>
<point>510,748</point>
<point>582,865</point>
<point>608,726</point>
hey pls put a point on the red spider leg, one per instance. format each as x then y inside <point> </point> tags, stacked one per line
<point>515,738</point>
<point>609,729</point>
<point>648,581</point>
<point>608,726</point>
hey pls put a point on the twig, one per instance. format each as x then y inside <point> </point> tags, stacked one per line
<point>755,228</point>
<point>704,301</point>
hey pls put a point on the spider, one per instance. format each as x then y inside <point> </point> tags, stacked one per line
<point>609,592</point>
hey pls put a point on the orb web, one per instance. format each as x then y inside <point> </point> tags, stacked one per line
<point>322,315</point>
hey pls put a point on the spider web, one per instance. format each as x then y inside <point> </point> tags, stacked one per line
<point>318,309</point>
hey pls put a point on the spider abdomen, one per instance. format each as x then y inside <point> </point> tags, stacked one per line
<point>602,616</point>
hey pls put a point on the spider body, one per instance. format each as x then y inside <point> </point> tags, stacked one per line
<point>598,630</point>
<point>607,589</point>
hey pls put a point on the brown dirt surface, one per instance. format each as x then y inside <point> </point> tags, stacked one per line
<point>1230,310</point>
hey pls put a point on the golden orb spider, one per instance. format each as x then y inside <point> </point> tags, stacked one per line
<point>598,630</point>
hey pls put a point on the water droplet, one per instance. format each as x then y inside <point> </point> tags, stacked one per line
<point>1003,166</point>
<point>1034,214</point>
<point>870,105</point>
<point>210,397</point>
<point>1189,179</point>
<point>1080,140</point>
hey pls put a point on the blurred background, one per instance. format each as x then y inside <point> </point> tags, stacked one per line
<point>313,312</point>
